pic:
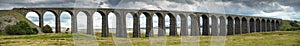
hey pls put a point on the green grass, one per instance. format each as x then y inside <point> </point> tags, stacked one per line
<point>279,38</point>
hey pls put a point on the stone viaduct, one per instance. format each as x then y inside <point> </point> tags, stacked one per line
<point>221,24</point>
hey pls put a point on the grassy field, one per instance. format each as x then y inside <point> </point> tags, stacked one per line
<point>279,38</point>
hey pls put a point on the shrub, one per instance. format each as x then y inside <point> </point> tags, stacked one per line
<point>47,29</point>
<point>21,28</point>
<point>14,30</point>
<point>26,27</point>
<point>35,30</point>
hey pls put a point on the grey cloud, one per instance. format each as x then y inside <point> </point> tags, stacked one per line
<point>183,1</point>
<point>264,4</point>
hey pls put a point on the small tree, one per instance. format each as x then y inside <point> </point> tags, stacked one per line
<point>47,29</point>
<point>14,30</point>
<point>26,27</point>
<point>21,28</point>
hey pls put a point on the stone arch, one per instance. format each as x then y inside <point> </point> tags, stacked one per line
<point>86,13</point>
<point>161,24</point>
<point>68,11</point>
<point>273,25</point>
<point>129,16</point>
<point>105,28</point>
<point>55,14</point>
<point>222,30</point>
<point>268,25</point>
<point>230,26</point>
<point>237,23</point>
<point>194,25</point>
<point>102,13</point>
<point>184,25</point>
<point>149,24</point>
<point>120,24</point>
<point>244,25</point>
<point>82,23</point>
<point>38,13</point>
<point>173,26</point>
<point>40,17</point>
<point>214,26</point>
<point>258,25</point>
<point>263,25</point>
<point>136,24</point>
<point>277,25</point>
<point>64,16</point>
<point>56,18</point>
<point>252,25</point>
<point>205,20</point>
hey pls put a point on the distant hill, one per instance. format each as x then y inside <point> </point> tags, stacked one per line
<point>289,25</point>
<point>9,17</point>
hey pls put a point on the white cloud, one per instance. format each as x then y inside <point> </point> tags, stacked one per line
<point>288,13</point>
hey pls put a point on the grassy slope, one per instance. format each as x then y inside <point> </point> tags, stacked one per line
<point>17,16</point>
<point>279,38</point>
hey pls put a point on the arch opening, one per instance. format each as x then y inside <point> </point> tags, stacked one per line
<point>178,23</point>
<point>263,25</point>
<point>34,17</point>
<point>146,24</point>
<point>170,24</point>
<point>97,22</point>
<point>129,23</point>
<point>230,26</point>
<point>161,29</point>
<point>49,18</point>
<point>244,25</point>
<point>273,25</point>
<point>258,26</point>
<point>206,25</point>
<point>268,25</point>
<point>65,19</point>
<point>252,25</point>
<point>237,23</point>
<point>82,22</point>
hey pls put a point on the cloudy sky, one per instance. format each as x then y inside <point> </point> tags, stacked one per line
<point>284,9</point>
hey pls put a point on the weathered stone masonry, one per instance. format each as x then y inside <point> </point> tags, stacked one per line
<point>212,23</point>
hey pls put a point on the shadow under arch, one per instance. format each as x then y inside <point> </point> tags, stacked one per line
<point>172,26</point>
<point>263,25</point>
<point>237,23</point>
<point>230,26</point>
<point>149,24</point>
<point>273,25</point>
<point>206,26</point>
<point>252,25</point>
<point>268,23</point>
<point>161,24</point>
<point>244,25</point>
<point>278,25</point>
<point>258,25</point>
